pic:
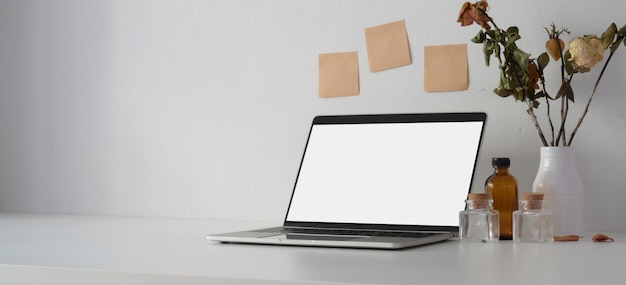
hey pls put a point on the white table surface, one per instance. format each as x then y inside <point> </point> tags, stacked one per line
<point>67,249</point>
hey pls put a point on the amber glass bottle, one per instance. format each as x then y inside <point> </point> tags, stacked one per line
<point>503,189</point>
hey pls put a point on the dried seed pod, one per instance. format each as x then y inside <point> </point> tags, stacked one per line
<point>602,237</point>
<point>554,47</point>
<point>567,238</point>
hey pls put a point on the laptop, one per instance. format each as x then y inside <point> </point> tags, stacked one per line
<point>384,181</point>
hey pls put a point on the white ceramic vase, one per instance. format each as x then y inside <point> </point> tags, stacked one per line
<point>558,178</point>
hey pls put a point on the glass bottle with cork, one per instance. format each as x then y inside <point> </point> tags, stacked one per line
<point>479,221</point>
<point>532,222</point>
<point>502,186</point>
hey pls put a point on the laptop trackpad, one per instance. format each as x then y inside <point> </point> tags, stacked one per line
<point>313,237</point>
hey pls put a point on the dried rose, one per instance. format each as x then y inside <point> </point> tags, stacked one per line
<point>474,13</point>
<point>586,51</point>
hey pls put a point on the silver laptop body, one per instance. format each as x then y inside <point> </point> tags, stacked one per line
<point>378,181</point>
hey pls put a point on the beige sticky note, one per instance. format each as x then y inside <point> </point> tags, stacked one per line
<point>338,74</point>
<point>387,46</point>
<point>445,68</point>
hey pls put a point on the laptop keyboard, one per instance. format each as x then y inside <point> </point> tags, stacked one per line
<point>311,231</point>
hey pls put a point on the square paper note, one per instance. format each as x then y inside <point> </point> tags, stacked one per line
<point>338,74</point>
<point>445,68</point>
<point>387,46</point>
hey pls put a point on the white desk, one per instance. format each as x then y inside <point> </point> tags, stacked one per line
<point>58,249</point>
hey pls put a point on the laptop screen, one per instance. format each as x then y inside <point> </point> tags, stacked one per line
<point>411,169</point>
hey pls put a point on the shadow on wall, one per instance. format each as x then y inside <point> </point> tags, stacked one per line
<point>54,66</point>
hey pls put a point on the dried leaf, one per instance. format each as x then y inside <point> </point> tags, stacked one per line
<point>518,93</point>
<point>533,76</point>
<point>494,34</point>
<point>569,64</point>
<point>609,35</point>
<point>488,50</point>
<point>601,237</point>
<point>539,94</point>
<point>565,90</point>
<point>543,60</point>
<point>570,93</point>
<point>512,35</point>
<point>521,57</point>
<point>567,238</point>
<point>479,38</point>
<point>535,104</point>
<point>616,44</point>
<point>622,31</point>
<point>512,31</point>
<point>496,50</point>
<point>502,92</point>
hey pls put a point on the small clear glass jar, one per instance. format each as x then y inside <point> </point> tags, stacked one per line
<point>479,222</point>
<point>532,222</point>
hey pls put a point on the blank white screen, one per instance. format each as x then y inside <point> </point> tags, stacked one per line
<point>400,173</point>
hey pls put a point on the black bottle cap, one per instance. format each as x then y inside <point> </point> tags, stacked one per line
<point>500,161</point>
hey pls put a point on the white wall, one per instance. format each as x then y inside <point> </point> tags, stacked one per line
<point>201,108</point>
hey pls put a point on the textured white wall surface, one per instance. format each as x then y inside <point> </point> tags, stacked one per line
<point>201,109</point>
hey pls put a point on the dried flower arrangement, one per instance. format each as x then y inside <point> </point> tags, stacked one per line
<point>522,76</point>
